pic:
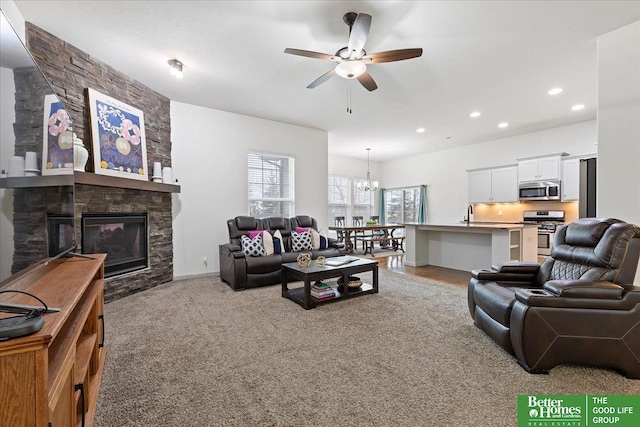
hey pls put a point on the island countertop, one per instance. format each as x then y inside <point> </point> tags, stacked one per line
<point>471,225</point>
<point>469,246</point>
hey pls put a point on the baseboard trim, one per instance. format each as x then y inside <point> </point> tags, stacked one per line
<point>214,274</point>
<point>415,264</point>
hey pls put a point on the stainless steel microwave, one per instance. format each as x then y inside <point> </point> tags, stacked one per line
<point>539,190</point>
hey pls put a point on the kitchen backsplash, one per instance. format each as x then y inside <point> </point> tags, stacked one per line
<point>512,212</point>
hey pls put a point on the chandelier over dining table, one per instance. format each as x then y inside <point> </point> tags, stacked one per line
<point>368,185</point>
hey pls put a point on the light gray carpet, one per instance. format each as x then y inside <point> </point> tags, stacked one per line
<point>195,353</point>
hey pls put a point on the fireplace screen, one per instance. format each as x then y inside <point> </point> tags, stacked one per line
<point>123,237</point>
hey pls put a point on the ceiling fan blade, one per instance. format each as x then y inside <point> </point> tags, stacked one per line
<point>392,55</point>
<point>359,33</point>
<point>323,78</point>
<point>367,81</point>
<point>311,54</point>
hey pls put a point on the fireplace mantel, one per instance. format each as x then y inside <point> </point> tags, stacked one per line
<point>86,178</point>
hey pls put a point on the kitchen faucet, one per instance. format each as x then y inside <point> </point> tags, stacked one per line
<point>469,212</point>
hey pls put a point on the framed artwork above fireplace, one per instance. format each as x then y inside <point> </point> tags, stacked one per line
<point>57,144</point>
<point>118,139</point>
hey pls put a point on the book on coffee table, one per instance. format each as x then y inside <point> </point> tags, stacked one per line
<point>340,260</point>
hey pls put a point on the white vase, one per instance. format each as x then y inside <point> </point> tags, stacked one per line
<point>80,155</point>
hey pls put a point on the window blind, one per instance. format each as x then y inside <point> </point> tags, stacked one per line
<point>271,185</point>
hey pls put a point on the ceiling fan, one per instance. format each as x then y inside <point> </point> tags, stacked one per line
<point>353,59</point>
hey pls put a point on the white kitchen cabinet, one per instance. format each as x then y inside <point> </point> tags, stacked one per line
<point>496,185</point>
<point>528,170</point>
<point>480,186</point>
<point>504,185</point>
<point>570,180</point>
<point>539,168</point>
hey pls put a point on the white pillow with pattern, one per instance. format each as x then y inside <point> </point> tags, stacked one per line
<point>301,241</point>
<point>253,247</point>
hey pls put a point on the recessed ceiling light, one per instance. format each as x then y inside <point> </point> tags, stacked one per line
<point>475,114</point>
<point>175,68</point>
<point>578,107</point>
<point>555,91</point>
<point>420,130</point>
<point>503,125</point>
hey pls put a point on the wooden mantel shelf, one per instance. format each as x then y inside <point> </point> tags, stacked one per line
<point>86,178</point>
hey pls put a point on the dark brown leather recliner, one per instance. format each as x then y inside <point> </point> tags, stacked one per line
<point>578,307</point>
<point>240,271</point>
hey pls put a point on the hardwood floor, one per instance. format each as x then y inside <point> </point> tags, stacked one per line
<point>439,274</point>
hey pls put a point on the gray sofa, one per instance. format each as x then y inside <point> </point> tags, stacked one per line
<point>241,271</point>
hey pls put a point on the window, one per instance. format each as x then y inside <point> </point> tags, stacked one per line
<point>271,191</point>
<point>346,200</point>
<point>402,205</point>
<point>338,197</point>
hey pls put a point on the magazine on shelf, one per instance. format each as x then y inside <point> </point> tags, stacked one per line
<point>340,260</point>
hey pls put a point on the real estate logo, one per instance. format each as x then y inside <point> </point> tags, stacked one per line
<point>552,410</point>
<point>578,410</point>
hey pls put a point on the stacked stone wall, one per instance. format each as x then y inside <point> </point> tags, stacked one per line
<point>71,72</point>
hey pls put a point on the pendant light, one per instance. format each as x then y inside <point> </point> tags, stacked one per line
<point>368,185</point>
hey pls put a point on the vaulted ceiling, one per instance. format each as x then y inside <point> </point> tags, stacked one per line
<point>498,58</point>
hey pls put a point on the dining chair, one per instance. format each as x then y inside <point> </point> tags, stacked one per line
<point>339,222</point>
<point>376,233</point>
<point>358,221</point>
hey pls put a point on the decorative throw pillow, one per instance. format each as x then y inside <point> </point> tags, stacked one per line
<point>301,241</point>
<point>278,242</point>
<point>253,247</point>
<point>267,241</point>
<point>254,233</point>
<point>317,241</point>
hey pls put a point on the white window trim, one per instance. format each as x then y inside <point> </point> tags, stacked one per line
<point>290,199</point>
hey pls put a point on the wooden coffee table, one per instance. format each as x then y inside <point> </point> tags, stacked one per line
<point>302,295</point>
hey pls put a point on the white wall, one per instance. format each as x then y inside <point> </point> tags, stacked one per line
<point>14,16</point>
<point>209,158</point>
<point>444,172</point>
<point>618,185</point>
<point>619,123</point>
<point>353,168</point>
<point>7,119</point>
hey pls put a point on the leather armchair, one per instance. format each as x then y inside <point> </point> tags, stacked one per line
<point>578,307</point>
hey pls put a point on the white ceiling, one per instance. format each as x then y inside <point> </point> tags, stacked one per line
<point>499,58</point>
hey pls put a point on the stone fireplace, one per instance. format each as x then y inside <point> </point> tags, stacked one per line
<point>70,72</point>
<point>107,202</point>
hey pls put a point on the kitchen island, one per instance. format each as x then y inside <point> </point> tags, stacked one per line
<point>468,246</point>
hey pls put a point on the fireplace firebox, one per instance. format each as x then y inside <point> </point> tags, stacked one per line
<point>123,237</point>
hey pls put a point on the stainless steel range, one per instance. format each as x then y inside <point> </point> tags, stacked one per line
<point>547,222</point>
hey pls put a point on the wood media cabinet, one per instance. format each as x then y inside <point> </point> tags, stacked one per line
<point>51,377</point>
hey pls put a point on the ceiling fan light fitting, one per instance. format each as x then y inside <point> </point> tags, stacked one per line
<point>350,69</point>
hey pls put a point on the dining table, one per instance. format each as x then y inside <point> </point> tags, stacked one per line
<point>347,231</point>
